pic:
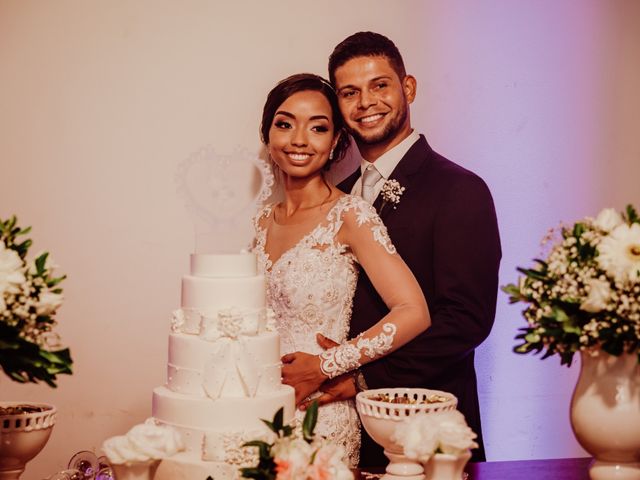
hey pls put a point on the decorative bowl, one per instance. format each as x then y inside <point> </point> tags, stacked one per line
<point>23,436</point>
<point>380,418</point>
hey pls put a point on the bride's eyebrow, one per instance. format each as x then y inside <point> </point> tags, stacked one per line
<point>292,116</point>
<point>286,114</point>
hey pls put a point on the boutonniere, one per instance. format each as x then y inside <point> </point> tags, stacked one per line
<point>391,193</point>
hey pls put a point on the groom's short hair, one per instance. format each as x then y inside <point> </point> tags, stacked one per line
<point>365,44</point>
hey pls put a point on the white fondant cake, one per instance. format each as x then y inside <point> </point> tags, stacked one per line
<point>223,372</point>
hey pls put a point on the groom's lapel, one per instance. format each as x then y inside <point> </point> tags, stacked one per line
<point>407,167</point>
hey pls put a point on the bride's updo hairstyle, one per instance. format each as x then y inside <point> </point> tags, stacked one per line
<point>302,82</point>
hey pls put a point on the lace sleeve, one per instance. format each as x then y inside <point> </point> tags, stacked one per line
<point>358,213</point>
<point>408,314</point>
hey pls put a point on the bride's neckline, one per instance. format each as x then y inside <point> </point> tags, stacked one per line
<point>304,238</point>
<point>327,204</point>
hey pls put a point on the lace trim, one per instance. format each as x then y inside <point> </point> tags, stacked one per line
<point>346,357</point>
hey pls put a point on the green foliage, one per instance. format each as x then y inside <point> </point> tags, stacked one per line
<point>266,468</point>
<point>24,356</point>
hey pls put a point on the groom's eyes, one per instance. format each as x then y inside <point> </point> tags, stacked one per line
<point>347,93</point>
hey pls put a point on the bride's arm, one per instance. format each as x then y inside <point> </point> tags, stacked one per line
<point>364,233</point>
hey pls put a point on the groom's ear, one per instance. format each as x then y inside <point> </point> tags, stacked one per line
<point>409,87</point>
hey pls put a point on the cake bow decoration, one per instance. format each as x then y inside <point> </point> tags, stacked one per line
<point>223,192</point>
<point>231,358</point>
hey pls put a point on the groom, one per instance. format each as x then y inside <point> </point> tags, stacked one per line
<point>444,227</point>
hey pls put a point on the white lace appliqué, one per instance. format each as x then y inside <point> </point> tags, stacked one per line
<point>346,357</point>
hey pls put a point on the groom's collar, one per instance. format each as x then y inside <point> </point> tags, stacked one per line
<point>387,162</point>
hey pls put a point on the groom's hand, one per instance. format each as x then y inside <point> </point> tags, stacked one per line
<point>302,371</point>
<point>334,390</point>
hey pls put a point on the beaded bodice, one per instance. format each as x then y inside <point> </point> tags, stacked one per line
<point>311,286</point>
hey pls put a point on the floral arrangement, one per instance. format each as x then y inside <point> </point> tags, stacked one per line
<point>297,454</point>
<point>29,298</point>
<point>424,435</point>
<point>391,192</point>
<point>586,294</point>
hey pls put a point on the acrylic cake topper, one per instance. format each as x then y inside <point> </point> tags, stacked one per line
<point>223,193</point>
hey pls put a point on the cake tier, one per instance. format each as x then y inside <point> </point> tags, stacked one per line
<point>250,367</point>
<point>221,265</point>
<point>211,295</point>
<point>203,421</point>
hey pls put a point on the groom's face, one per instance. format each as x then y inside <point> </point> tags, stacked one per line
<point>373,99</point>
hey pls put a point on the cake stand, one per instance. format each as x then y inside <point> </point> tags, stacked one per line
<point>380,419</point>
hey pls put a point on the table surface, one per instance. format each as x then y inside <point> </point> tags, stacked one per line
<point>556,469</point>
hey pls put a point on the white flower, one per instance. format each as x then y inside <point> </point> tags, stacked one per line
<point>423,435</point>
<point>11,276</point>
<point>619,253</point>
<point>608,219</point>
<point>292,456</point>
<point>48,302</point>
<point>454,434</point>
<point>328,463</point>
<point>392,191</point>
<point>143,442</point>
<point>599,294</point>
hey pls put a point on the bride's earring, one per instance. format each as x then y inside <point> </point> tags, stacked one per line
<point>331,154</point>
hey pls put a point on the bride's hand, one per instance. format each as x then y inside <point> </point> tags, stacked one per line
<point>302,371</point>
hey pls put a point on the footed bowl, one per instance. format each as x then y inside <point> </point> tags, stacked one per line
<point>380,418</point>
<point>23,436</point>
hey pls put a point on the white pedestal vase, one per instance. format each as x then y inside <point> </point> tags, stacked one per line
<point>23,436</point>
<point>444,466</point>
<point>605,414</point>
<point>135,470</point>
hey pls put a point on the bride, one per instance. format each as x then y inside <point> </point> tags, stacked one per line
<point>311,245</point>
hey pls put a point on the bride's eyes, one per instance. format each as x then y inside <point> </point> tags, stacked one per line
<point>320,128</point>
<point>282,124</point>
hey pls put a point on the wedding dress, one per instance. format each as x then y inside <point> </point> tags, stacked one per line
<point>310,288</point>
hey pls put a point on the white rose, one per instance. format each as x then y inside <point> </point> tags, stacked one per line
<point>418,436</point>
<point>48,302</point>
<point>143,442</point>
<point>155,441</point>
<point>608,219</point>
<point>599,294</point>
<point>11,276</point>
<point>119,450</point>
<point>454,434</point>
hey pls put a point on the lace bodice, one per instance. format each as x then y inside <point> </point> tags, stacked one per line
<point>310,288</point>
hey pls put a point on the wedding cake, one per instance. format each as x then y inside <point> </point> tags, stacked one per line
<point>224,369</point>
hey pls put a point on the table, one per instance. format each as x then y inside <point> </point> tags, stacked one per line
<point>556,469</point>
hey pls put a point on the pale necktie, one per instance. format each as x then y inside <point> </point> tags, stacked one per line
<point>370,177</point>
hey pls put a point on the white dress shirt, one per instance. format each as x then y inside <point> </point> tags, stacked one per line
<point>385,164</point>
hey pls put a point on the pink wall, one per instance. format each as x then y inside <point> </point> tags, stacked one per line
<point>100,102</point>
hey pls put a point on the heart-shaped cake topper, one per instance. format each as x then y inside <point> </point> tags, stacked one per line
<point>223,193</point>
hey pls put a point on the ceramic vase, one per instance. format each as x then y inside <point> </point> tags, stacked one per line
<point>445,466</point>
<point>605,414</point>
<point>23,436</point>
<point>135,470</point>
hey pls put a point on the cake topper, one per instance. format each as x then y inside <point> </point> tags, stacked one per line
<point>223,193</point>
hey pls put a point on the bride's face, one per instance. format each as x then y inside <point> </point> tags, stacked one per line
<point>302,134</point>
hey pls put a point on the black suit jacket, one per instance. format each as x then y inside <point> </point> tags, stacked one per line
<point>445,229</point>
